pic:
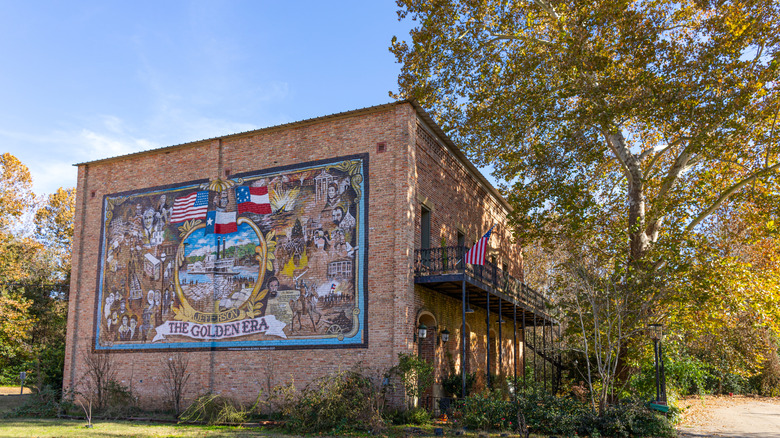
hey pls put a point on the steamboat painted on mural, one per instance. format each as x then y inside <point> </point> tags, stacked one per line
<point>268,259</point>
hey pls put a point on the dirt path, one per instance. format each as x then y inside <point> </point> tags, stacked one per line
<point>739,416</point>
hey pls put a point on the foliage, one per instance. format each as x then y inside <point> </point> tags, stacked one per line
<point>118,400</point>
<point>415,373</point>
<point>54,226</point>
<point>485,410</point>
<point>685,375</point>
<point>16,196</point>
<point>418,416</point>
<point>283,399</point>
<point>631,419</point>
<point>215,409</point>
<point>15,325</point>
<point>43,404</point>
<point>640,138</point>
<point>336,403</point>
<point>550,415</point>
<point>453,384</point>
<point>33,309</point>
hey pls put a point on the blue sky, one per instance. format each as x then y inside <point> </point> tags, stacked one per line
<point>85,80</point>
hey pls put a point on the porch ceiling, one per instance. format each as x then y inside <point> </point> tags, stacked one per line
<point>477,296</point>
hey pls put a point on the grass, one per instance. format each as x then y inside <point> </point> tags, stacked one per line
<point>10,402</point>
<point>75,428</point>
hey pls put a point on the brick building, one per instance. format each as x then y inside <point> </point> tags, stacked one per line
<point>294,251</point>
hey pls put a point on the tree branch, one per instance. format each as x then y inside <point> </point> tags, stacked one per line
<point>730,191</point>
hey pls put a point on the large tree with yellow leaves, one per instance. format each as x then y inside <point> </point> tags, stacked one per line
<point>627,129</point>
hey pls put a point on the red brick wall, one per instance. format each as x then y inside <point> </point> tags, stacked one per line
<point>240,374</point>
<point>400,178</point>
<point>458,202</point>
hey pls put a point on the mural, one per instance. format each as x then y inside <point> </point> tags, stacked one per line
<point>269,259</point>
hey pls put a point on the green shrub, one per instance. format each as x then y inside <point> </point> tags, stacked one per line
<point>417,416</point>
<point>44,404</point>
<point>629,419</point>
<point>453,385</point>
<point>546,414</point>
<point>685,375</point>
<point>119,401</point>
<point>337,403</point>
<point>486,410</point>
<point>214,409</point>
<point>415,373</point>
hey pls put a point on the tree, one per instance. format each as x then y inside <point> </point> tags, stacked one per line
<point>54,226</point>
<point>16,196</point>
<point>625,128</point>
<point>32,272</point>
<point>15,323</point>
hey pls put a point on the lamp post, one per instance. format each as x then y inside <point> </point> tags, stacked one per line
<point>657,334</point>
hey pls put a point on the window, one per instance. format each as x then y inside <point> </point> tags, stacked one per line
<point>461,239</point>
<point>425,228</point>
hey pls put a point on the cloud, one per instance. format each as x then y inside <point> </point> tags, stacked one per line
<point>106,146</point>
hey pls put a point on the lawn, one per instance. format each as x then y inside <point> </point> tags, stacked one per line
<point>75,428</point>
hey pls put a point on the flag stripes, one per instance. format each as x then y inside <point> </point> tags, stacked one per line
<point>192,206</point>
<point>476,255</point>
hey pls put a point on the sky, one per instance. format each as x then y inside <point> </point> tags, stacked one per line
<point>86,80</point>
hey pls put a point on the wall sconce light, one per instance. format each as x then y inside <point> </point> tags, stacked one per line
<point>444,336</point>
<point>422,332</point>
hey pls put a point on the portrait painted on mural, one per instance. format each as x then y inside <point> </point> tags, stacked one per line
<point>270,259</point>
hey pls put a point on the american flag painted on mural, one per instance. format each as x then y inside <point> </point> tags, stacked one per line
<point>476,255</point>
<point>192,206</point>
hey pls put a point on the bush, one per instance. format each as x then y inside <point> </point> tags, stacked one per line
<point>631,418</point>
<point>214,409</point>
<point>337,403</point>
<point>685,375</point>
<point>118,400</point>
<point>418,416</point>
<point>486,410</point>
<point>453,385</point>
<point>549,415</point>
<point>415,373</point>
<point>44,404</point>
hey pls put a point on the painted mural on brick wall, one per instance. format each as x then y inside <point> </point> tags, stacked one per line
<point>274,259</point>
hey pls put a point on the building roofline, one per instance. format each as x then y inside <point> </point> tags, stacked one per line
<point>431,124</point>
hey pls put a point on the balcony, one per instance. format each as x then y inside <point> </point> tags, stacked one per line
<point>488,287</point>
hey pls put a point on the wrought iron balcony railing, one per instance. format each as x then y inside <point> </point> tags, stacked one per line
<point>449,261</point>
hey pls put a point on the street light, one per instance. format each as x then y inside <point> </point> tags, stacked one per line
<point>656,332</point>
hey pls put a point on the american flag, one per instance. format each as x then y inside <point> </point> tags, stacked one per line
<point>476,255</point>
<point>192,206</point>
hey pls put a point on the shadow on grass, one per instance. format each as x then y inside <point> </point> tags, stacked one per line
<point>10,402</point>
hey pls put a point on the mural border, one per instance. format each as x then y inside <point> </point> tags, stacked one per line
<point>361,283</point>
